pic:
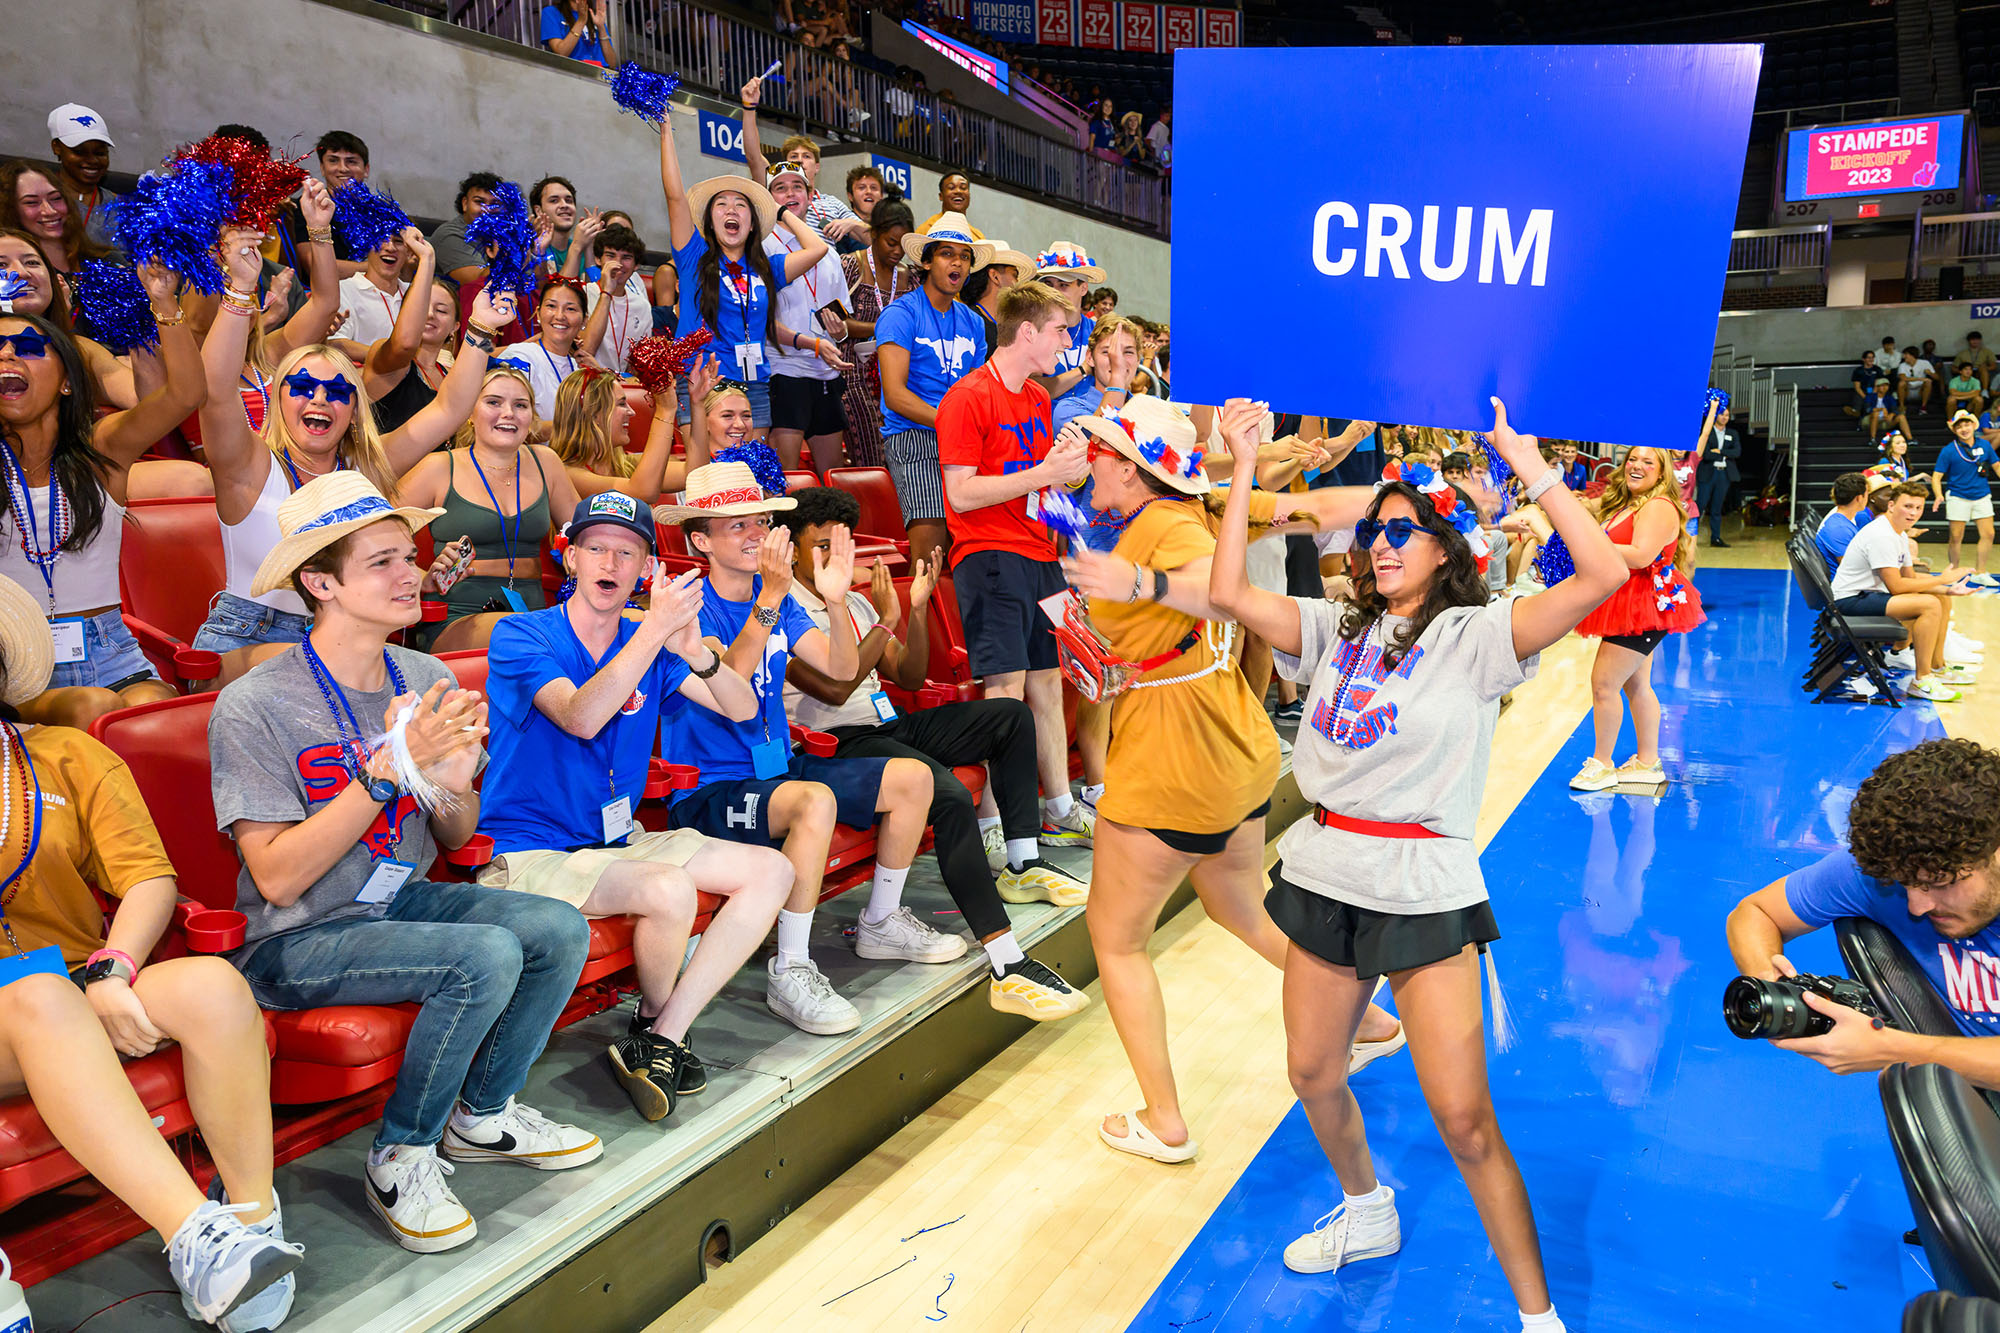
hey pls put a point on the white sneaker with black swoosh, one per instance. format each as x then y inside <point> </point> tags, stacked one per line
<point>517,1133</point>
<point>407,1191</point>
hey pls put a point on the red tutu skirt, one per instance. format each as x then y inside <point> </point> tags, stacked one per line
<point>1654,598</point>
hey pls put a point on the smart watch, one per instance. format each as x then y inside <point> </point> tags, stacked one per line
<point>104,965</point>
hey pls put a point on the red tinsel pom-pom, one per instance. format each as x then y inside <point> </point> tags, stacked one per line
<point>262,181</point>
<point>657,361</point>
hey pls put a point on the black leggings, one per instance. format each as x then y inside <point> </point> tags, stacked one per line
<point>1000,732</point>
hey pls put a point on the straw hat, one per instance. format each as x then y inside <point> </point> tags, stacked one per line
<point>1010,258</point>
<point>320,513</point>
<point>722,490</point>
<point>760,199</point>
<point>951,227</point>
<point>1157,436</point>
<point>1065,259</point>
<point>26,646</point>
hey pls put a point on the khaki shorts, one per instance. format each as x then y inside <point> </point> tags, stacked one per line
<point>1958,509</point>
<point>570,876</point>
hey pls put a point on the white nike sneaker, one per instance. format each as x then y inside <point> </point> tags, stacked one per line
<point>994,840</point>
<point>266,1309</point>
<point>408,1192</point>
<point>901,935</point>
<point>518,1133</point>
<point>1078,828</point>
<point>1334,1241</point>
<point>803,997</point>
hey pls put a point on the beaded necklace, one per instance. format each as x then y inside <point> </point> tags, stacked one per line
<point>62,521</point>
<point>1343,730</point>
<point>31,820</point>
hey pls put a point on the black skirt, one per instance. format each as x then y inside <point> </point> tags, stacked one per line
<point>1371,942</point>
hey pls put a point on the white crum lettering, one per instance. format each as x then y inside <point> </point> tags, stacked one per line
<point>1388,229</point>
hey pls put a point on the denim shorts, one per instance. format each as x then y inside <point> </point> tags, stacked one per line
<point>111,656</point>
<point>235,622</point>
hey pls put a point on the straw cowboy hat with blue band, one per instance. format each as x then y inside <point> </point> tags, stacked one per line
<point>954,228</point>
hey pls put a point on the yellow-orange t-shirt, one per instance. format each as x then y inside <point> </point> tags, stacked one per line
<point>95,831</point>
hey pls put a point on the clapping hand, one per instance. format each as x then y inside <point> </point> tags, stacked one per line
<point>1240,428</point>
<point>278,295</point>
<point>882,592</point>
<point>924,580</point>
<point>674,611</point>
<point>445,735</point>
<point>833,569</point>
<point>1068,459</point>
<point>774,561</point>
<point>703,376</point>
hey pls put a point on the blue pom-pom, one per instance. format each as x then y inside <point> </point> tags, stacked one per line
<point>364,219</point>
<point>505,228</point>
<point>172,218</point>
<point>114,301</point>
<point>642,92</point>
<point>1498,471</point>
<point>763,462</point>
<point>1718,397</point>
<point>1553,561</point>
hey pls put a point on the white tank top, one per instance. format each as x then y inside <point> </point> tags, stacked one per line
<point>84,580</point>
<point>245,544</point>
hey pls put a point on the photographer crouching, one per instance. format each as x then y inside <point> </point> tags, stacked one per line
<point>1923,862</point>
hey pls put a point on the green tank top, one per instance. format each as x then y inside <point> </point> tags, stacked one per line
<point>489,530</point>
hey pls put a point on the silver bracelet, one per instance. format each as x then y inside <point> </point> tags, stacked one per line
<point>1138,582</point>
<point>1541,485</point>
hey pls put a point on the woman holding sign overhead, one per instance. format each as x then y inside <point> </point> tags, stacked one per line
<point>727,283</point>
<point>1405,680</point>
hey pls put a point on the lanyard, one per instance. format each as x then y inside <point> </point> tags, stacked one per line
<point>609,754</point>
<point>12,884</point>
<point>620,335</point>
<point>507,544</point>
<point>812,287</point>
<point>345,722</point>
<point>739,283</point>
<point>387,309</point>
<point>550,358</point>
<point>62,522</point>
<point>339,465</point>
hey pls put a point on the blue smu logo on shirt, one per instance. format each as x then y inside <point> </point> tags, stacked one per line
<point>1025,434</point>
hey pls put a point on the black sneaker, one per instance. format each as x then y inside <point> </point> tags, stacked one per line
<point>1291,712</point>
<point>647,1066</point>
<point>692,1075</point>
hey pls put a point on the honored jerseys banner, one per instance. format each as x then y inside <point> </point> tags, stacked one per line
<point>1141,27</point>
<point>1474,225</point>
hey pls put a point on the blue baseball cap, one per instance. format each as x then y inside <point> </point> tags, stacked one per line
<point>612,509</point>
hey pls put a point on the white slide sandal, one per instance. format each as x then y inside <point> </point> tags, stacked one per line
<point>1141,1142</point>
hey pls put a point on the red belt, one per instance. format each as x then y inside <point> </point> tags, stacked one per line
<point>1373,828</point>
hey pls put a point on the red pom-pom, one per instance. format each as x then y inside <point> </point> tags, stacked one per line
<point>659,360</point>
<point>262,181</point>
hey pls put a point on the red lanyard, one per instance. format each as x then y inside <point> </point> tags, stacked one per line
<point>812,287</point>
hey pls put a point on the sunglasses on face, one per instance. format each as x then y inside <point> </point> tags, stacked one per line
<point>1397,530</point>
<point>27,344</point>
<point>338,389</point>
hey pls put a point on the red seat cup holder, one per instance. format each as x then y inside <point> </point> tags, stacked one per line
<point>663,777</point>
<point>477,852</point>
<point>934,696</point>
<point>819,744</point>
<point>217,930</point>
<point>197,663</point>
<point>434,612</point>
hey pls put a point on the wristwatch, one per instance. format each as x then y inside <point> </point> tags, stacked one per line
<point>382,791</point>
<point>102,965</point>
<point>766,616</point>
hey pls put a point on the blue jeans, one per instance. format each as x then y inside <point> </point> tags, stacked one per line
<point>236,622</point>
<point>111,660</point>
<point>491,969</point>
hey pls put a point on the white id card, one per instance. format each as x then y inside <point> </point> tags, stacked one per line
<point>884,710</point>
<point>388,877</point>
<point>617,819</point>
<point>69,640</point>
<point>749,356</point>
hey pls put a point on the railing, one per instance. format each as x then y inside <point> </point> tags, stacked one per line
<point>1785,434</point>
<point>1773,250</point>
<point>1955,238</point>
<point>717,54</point>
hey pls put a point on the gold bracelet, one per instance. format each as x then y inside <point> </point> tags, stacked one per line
<point>474,326</point>
<point>236,301</point>
<point>168,321</point>
<point>320,235</point>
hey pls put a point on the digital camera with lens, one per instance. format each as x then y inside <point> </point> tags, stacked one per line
<point>1777,1009</point>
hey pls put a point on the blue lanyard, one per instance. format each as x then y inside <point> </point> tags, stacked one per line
<point>337,707</point>
<point>61,522</point>
<point>507,543</point>
<point>10,886</point>
<point>339,463</point>
<point>741,291</point>
<point>549,357</point>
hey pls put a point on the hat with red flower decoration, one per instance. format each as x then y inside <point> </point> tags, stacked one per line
<point>1444,498</point>
<point>1157,436</point>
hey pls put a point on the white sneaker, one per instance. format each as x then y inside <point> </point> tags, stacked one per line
<point>994,839</point>
<point>1327,1246</point>
<point>519,1133</point>
<point>1641,774</point>
<point>266,1309</point>
<point>1902,659</point>
<point>1984,581</point>
<point>219,1263</point>
<point>1951,675</point>
<point>1078,828</point>
<point>1965,661</point>
<point>1956,642</point>
<point>803,997</point>
<point>1595,775</point>
<point>408,1192</point>
<point>1933,689</point>
<point>1090,796</point>
<point>901,935</point>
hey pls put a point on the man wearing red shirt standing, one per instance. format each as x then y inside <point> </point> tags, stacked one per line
<point>995,448</point>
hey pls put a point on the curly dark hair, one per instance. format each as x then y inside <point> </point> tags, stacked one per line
<point>1927,815</point>
<point>1457,583</point>
<point>817,505</point>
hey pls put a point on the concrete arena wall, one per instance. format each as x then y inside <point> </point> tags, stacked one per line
<point>1840,336</point>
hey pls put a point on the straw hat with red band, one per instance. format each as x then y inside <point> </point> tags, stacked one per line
<point>760,199</point>
<point>1157,436</point>
<point>722,490</point>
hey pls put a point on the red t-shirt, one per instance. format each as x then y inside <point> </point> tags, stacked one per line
<point>981,425</point>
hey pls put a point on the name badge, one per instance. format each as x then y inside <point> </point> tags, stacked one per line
<point>388,877</point>
<point>749,356</point>
<point>68,635</point>
<point>617,817</point>
<point>884,710</point>
<point>513,600</point>
<point>771,759</point>
<point>48,959</point>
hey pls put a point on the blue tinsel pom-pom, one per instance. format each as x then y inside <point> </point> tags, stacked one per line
<point>1553,562</point>
<point>763,463</point>
<point>1498,470</point>
<point>173,217</point>
<point>642,92</point>
<point>505,225</point>
<point>364,219</point>
<point>113,299</point>
<point>1719,397</point>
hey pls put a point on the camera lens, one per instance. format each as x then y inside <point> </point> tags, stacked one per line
<point>1746,1007</point>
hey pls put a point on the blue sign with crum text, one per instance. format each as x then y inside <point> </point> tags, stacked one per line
<point>1458,222</point>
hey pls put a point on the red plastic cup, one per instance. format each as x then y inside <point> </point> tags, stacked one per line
<point>477,852</point>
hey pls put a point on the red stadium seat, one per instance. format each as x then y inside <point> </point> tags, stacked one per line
<point>881,511</point>
<point>169,569</point>
<point>794,480</point>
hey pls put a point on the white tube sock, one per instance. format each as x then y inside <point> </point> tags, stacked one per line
<point>794,931</point>
<point>885,894</point>
<point>1002,950</point>
<point>1057,806</point>
<point>1548,1321</point>
<point>1020,851</point>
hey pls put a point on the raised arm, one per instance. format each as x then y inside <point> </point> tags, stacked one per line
<point>236,455</point>
<point>399,349</point>
<point>315,318</point>
<point>174,372</point>
<point>1269,615</point>
<point>656,471</point>
<point>811,248</point>
<point>1544,618</point>
<point>436,420</point>
<point>753,147</point>
<point>680,221</point>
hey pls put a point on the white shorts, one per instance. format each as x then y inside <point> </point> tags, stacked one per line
<point>570,876</point>
<point>1959,510</point>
